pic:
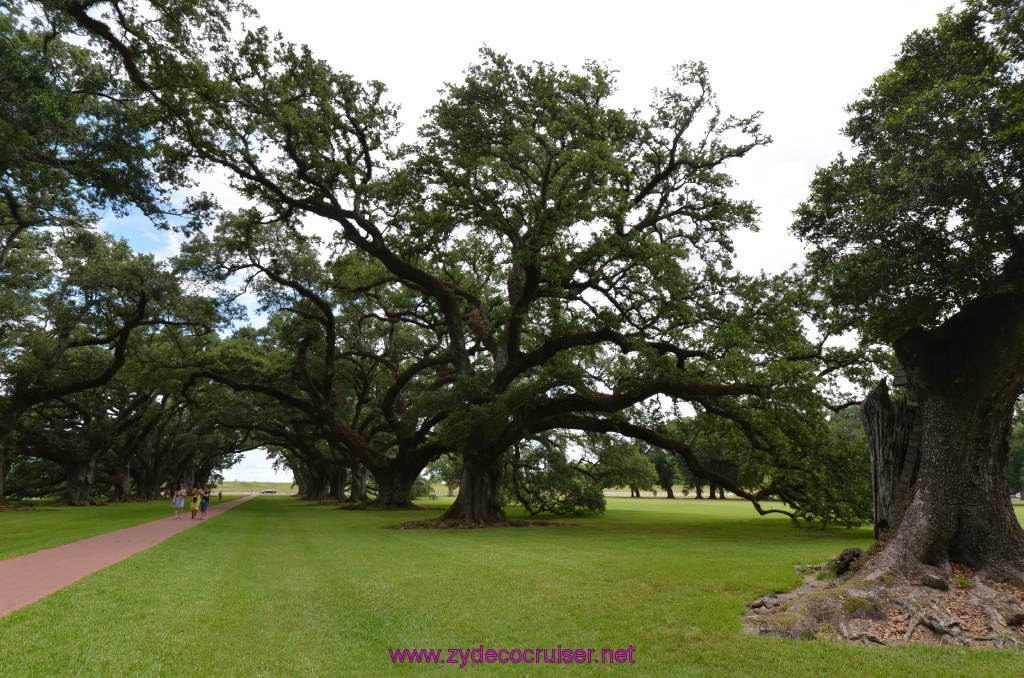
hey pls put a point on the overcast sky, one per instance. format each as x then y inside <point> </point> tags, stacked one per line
<point>800,62</point>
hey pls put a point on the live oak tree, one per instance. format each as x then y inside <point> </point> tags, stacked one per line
<point>564,473</point>
<point>75,334</point>
<point>572,260</point>
<point>667,470</point>
<point>918,240</point>
<point>79,431</point>
<point>73,141</point>
<point>345,352</point>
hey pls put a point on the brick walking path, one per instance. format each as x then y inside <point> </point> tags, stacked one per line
<point>25,579</point>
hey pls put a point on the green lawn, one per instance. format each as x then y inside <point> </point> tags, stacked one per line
<point>23,532</point>
<point>280,587</point>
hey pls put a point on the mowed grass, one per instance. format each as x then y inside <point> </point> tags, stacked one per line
<point>23,532</point>
<point>281,587</point>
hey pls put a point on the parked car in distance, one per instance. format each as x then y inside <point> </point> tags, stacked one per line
<point>268,491</point>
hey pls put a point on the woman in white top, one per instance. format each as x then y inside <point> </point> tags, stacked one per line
<point>179,501</point>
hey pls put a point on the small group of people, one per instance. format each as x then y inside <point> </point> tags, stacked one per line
<point>200,501</point>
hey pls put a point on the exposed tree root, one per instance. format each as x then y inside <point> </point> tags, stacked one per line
<point>876,608</point>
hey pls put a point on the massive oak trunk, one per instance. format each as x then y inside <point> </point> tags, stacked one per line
<point>893,430</point>
<point>148,481</point>
<point>963,380</point>
<point>319,486</point>
<point>357,491</point>
<point>80,477</point>
<point>339,478</point>
<point>479,501</point>
<point>394,485</point>
<point>122,481</point>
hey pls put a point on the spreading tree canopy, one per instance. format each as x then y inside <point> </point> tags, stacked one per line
<point>76,141</point>
<point>538,260</point>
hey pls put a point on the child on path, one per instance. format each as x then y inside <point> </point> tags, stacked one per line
<point>179,501</point>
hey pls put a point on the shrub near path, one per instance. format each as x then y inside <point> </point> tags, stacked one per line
<point>283,587</point>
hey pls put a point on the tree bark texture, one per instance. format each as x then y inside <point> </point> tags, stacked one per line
<point>479,501</point>
<point>357,491</point>
<point>339,478</point>
<point>80,477</point>
<point>893,432</point>
<point>394,486</point>
<point>122,481</point>
<point>319,487</point>
<point>965,377</point>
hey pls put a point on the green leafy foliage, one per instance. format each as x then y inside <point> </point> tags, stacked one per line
<point>926,215</point>
<point>538,262</point>
<point>32,477</point>
<point>542,480</point>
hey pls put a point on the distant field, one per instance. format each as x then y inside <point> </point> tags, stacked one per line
<point>248,487</point>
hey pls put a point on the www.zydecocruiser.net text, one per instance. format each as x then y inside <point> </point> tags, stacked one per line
<point>481,655</point>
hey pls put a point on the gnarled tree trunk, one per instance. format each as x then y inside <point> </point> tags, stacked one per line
<point>357,491</point>
<point>893,432</point>
<point>394,485</point>
<point>339,478</point>
<point>80,478</point>
<point>319,487</point>
<point>122,481</point>
<point>479,501</point>
<point>6,461</point>
<point>965,377</point>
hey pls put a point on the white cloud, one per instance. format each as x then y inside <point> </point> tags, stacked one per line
<point>256,467</point>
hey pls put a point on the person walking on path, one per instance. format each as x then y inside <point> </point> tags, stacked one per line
<point>204,501</point>
<point>179,501</point>
<point>195,501</point>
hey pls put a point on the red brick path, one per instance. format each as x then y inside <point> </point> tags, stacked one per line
<point>27,578</point>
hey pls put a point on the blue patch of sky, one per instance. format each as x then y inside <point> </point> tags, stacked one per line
<point>143,236</point>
